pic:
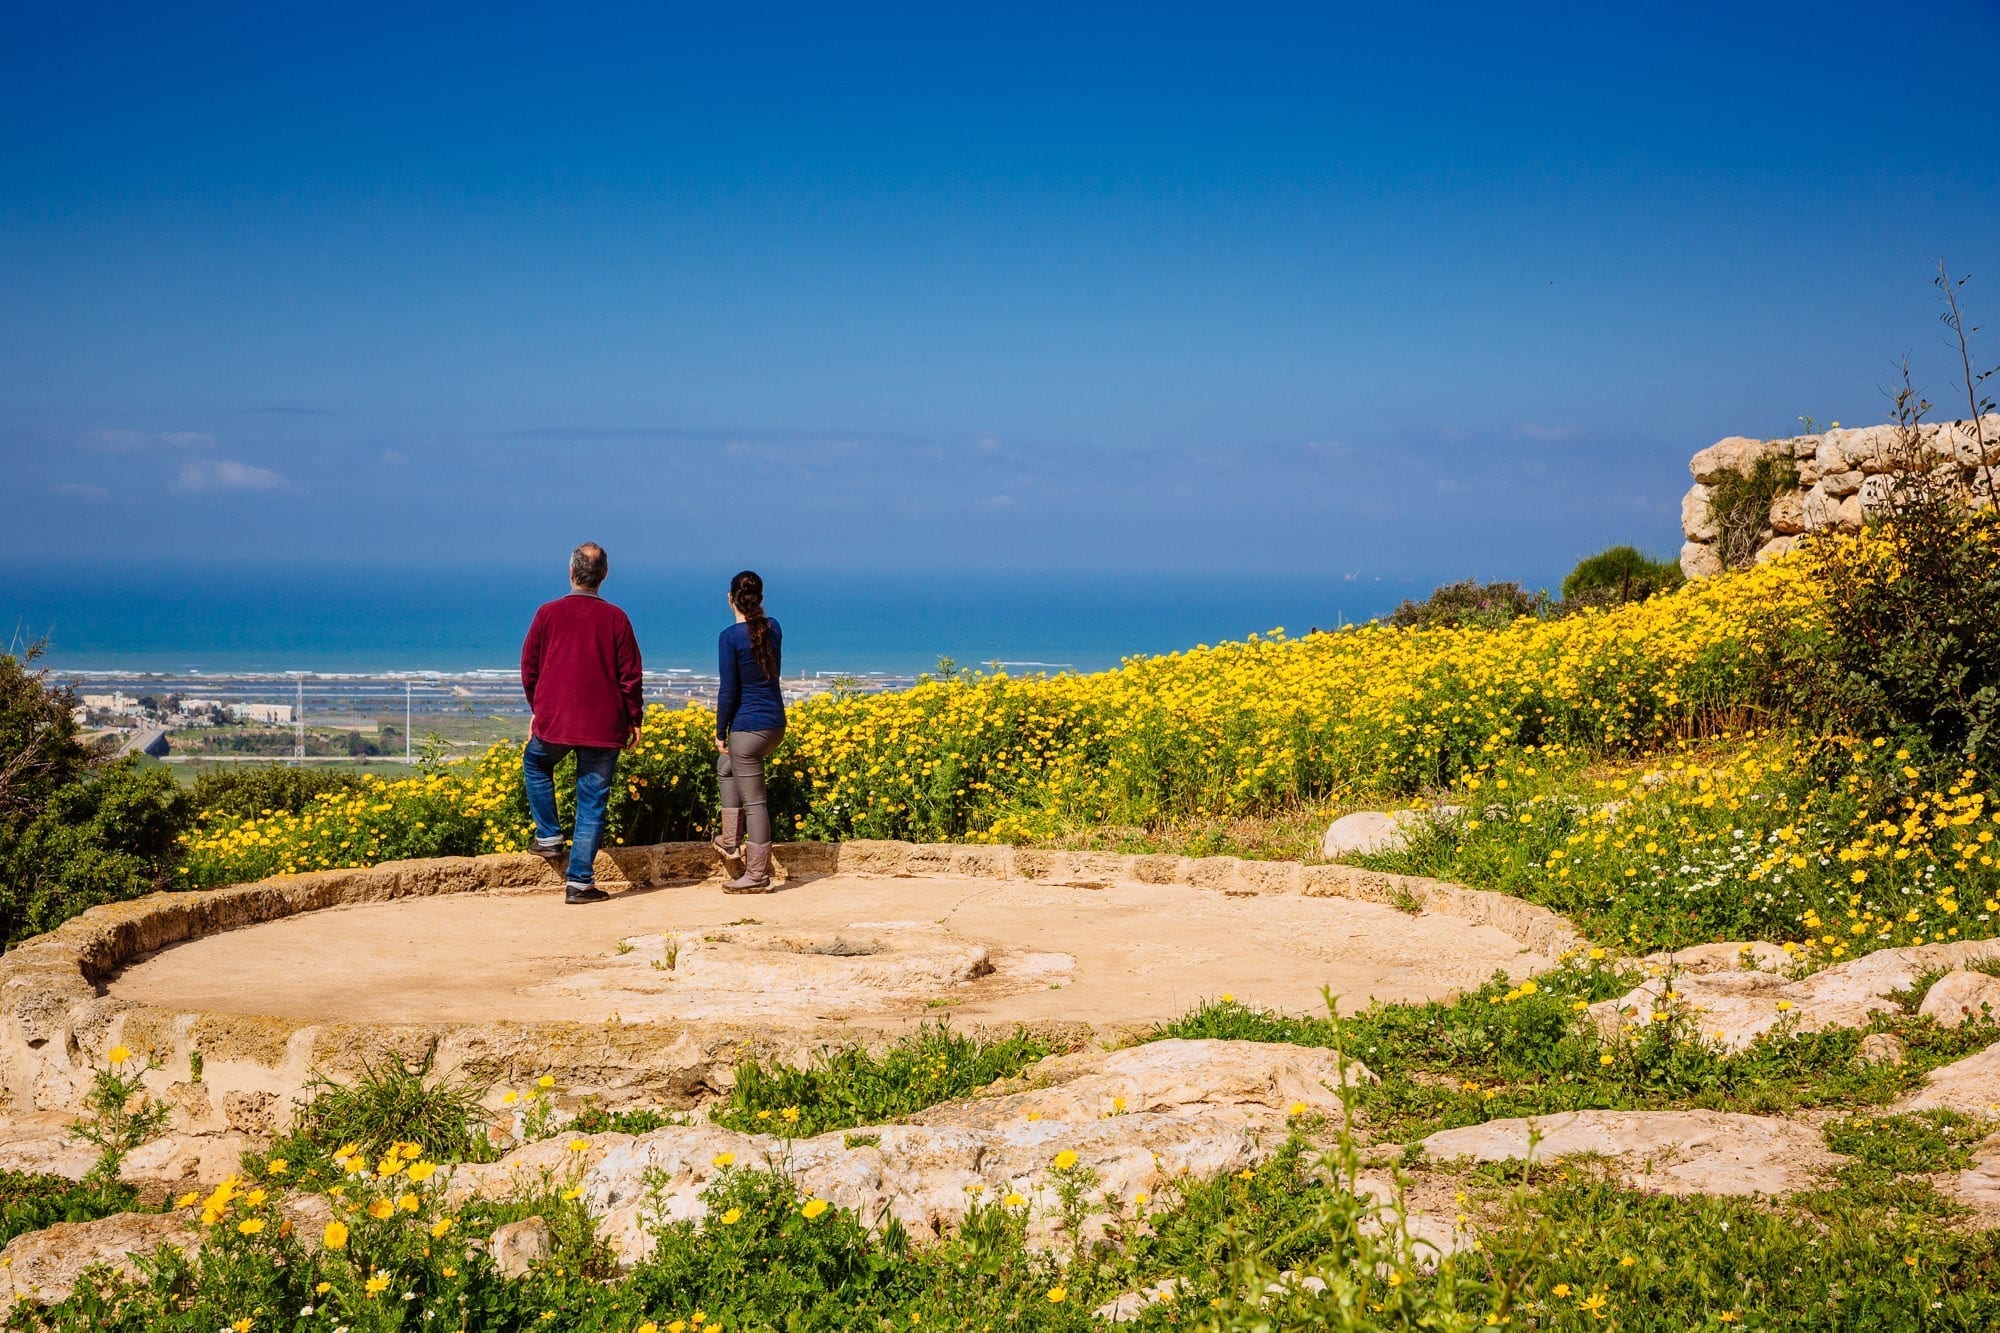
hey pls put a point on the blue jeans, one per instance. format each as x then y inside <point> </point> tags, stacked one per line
<point>594,769</point>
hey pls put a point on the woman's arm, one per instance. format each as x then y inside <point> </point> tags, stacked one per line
<point>730,692</point>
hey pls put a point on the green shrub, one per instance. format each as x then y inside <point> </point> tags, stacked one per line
<point>1739,504</point>
<point>1469,604</point>
<point>105,837</point>
<point>1620,574</point>
<point>39,751</point>
<point>396,1101</point>
<point>1912,641</point>
<point>1940,1140</point>
<point>31,1202</point>
<point>246,791</point>
<point>852,1087</point>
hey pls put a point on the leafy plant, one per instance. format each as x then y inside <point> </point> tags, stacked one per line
<point>31,1202</point>
<point>1739,504</point>
<point>1939,1140</point>
<point>852,1087</point>
<point>394,1101</point>
<point>246,791</point>
<point>119,1115</point>
<point>1468,604</point>
<point>1618,575</point>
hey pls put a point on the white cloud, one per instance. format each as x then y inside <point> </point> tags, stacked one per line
<point>224,474</point>
<point>76,490</point>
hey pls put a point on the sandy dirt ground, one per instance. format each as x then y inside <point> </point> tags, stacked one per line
<point>882,953</point>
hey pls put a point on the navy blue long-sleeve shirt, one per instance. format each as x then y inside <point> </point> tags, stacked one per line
<point>749,700</point>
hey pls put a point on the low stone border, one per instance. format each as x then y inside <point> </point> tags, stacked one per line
<point>55,1018</point>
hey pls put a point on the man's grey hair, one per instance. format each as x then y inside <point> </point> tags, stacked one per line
<point>587,565</point>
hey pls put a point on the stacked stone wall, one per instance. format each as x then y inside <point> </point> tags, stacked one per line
<point>1841,479</point>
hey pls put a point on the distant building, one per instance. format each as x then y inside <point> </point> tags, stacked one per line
<point>111,703</point>
<point>200,705</point>
<point>276,715</point>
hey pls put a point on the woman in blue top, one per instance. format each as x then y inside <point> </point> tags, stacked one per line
<point>749,724</point>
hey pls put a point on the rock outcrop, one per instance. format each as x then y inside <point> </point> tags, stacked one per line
<point>1840,479</point>
<point>1135,1119</point>
<point>43,1266</point>
<point>1671,1152</point>
<point>1738,992</point>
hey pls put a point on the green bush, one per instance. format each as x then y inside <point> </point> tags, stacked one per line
<point>1911,646</point>
<point>31,1202</point>
<point>245,791</point>
<point>106,837</point>
<point>39,751</point>
<point>852,1087</point>
<point>394,1102</point>
<point>1469,604</point>
<point>75,831</point>
<point>1620,574</point>
<point>1739,503</point>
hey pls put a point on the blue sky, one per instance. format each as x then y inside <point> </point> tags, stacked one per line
<point>1439,291</point>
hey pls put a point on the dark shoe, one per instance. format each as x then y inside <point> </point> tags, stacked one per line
<point>728,841</point>
<point>584,893</point>
<point>554,854</point>
<point>756,876</point>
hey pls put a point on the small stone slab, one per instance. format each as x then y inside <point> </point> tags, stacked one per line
<point>1734,1006</point>
<point>1970,1086</point>
<point>1669,1152</point>
<point>1367,832</point>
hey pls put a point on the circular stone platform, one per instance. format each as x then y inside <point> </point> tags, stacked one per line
<point>883,953</point>
<point>239,999</point>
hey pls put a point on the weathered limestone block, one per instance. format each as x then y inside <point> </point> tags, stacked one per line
<point>1697,519</point>
<point>1672,1152</point>
<point>43,1266</point>
<point>1737,454</point>
<point>1868,449</point>
<point>1699,560</point>
<point>1970,1086</point>
<point>1366,832</point>
<point>518,1246</point>
<point>1736,1007</point>
<point>1776,547</point>
<point>1957,997</point>
<point>1971,444</point>
<point>1788,515</point>
<point>1882,1048</point>
<point>1876,492</point>
<point>1840,484</point>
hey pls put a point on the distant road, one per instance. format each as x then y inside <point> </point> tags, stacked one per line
<point>145,742</point>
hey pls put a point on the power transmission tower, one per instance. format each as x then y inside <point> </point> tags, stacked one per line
<point>299,721</point>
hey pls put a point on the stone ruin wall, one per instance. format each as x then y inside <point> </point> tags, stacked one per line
<point>1843,478</point>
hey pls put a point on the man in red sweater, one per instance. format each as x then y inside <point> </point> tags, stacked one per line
<point>581,672</point>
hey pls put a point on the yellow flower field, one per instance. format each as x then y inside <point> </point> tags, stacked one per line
<point>1233,728</point>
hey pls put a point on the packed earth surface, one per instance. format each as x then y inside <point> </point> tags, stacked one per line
<point>877,952</point>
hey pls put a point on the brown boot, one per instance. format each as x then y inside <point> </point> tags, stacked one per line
<point>756,876</point>
<point>728,840</point>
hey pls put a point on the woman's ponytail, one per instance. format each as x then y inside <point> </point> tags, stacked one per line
<point>746,594</point>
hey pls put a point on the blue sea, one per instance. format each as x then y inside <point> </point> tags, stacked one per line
<point>385,620</point>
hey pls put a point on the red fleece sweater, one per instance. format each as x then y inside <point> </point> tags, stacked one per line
<point>581,672</point>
